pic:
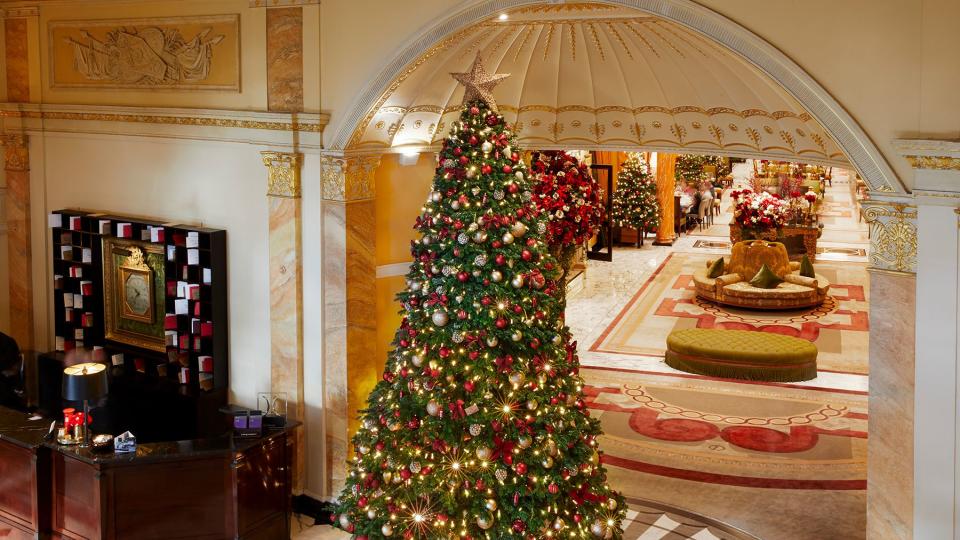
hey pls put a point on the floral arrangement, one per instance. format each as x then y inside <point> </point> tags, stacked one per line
<point>565,191</point>
<point>759,210</point>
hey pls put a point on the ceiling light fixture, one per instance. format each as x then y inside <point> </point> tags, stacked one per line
<point>503,16</point>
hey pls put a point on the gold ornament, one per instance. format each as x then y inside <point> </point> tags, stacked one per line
<point>479,84</point>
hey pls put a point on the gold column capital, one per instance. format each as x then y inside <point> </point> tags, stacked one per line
<point>283,177</point>
<point>348,178</point>
<point>16,156</point>
<point>893,235</point>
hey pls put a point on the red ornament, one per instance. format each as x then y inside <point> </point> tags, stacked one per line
<point>464,160</point>
<point>474,110</point>
<point>463,276</point>
<point>469,386</point>
<point>534,343</point>
<point>405,473</point>
<point>507,169</point>
<point>474,355</point>
<point>362,502</point>
<point>519,526</point>
<point>473,140</point>
<point>553,488</point>
<point>496,244</point>
<point>501,323</point>
<point>521,468</point>
<point>515,157</point>
<point>457,151</point>
<point>486,300</point>
<point>444,352</point>
<point>486,169</point>
<point>500,259</point>
<point>461,314</point>
<point>513,187</point>
<point>526,255</point>
<point>414,423</point>
<point>492,120</point>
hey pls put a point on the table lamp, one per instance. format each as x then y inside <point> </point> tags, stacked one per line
<point>85,382</point>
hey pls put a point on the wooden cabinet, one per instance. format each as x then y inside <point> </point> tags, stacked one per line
<point>193,490</point>
<point>203,489</point>
<point>21,481</point>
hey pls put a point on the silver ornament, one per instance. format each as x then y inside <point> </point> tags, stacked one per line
<point>501,474</point>
<point>517,281</point>
<point>455,204</point>
<point>386,530</point>
<point>440,318</point>
<point>475,429</point>
<point>414,286</point>
<point>371,513</point>
<point>484,453</point>
<point>487,147</point>
<point>416,360</point>
<point>433,408</point>
<point>447,271</point>
<point>436,196</point>
<point>498,194</point>
<point>519,175</point>
<point>496,276</point>
<point>524,441</point>
<point>541,227</point>
<point>462,238</point>
<point>426,240</point>
<point>612,503</point>
<point>516,378</point>
<point>517,336</point>
<point>415,467</point>
<point>507,238</point>
<point>457,337</point>
<point>473,227</point>
<point>532,405</point>
<point>491,505</point>
<point>492,341</point>
<point>344,521</point>
<point>597,529</point>
<point>480,260</point>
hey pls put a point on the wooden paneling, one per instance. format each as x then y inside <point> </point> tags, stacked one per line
<point>77,503</point>
<point>18,504</point>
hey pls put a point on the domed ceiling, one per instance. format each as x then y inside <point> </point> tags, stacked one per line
<point>586,75</point>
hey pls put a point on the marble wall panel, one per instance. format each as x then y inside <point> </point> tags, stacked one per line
<point>890,448</point>
<point>665,188</point>
<point>285,59</point>
<point>334,272</point>
<point>364,366</point>
<point>17,61</point>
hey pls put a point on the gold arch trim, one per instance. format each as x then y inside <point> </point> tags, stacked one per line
<point>168,120</point>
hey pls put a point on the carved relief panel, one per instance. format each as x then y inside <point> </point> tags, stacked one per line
<point>199,53</point>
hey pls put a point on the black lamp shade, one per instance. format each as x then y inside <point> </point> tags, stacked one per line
<point>85,382</point>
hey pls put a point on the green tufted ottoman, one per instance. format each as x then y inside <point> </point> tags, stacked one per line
<point>739,354</point>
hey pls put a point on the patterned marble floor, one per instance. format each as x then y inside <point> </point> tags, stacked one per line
<point>692,474</point>
<point>646,520</point>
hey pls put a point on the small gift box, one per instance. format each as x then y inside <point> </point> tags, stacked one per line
<point>57,281</point>
<point>170,322</point>
<point>88,319</point>
<point>66,253</point>
<point>68,300</point>
<point>87,256</point>
<point>86,288</point>
<point>207,276</point>
<point>181,306</point>
<point>75,223</point>
<point>184,375</point>
<point>171,253</point>
<point>124,230</point>
<point>60,343</point>
<point>78,301</point>
<point>55,220</point>
<point>170,337</point>
<point>140,365</point>
<point>193,292</point>
<point>104,226</point>
<point>193,239</point>
<point>193,257</point>
<point>206,329</point>
<point>205,364</point>
<point>124,443</point>
<point>117,359</point>
<point>157,235</point>
<point>76,272</point>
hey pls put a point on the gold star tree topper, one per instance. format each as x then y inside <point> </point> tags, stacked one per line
<point>479,84</point>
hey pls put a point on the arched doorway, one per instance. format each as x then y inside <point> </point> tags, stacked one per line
<point>353,157</point>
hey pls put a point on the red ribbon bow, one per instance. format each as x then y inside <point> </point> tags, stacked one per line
<point>502,449</point>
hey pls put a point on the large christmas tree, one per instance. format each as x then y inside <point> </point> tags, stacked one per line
<point>479,428</point>
<point>635,199</point>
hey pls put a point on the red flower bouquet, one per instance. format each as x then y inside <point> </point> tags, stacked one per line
<point>759,210</point>
<point>566,192</point>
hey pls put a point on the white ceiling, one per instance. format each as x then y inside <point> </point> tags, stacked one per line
<point>590,75</point>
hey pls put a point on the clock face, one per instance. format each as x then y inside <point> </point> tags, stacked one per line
<point>136,290</point>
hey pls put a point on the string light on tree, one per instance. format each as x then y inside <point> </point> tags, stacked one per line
<point>478,428</point>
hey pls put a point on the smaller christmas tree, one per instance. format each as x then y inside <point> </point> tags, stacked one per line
<point>635,199</point>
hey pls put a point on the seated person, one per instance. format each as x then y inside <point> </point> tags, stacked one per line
<point>11,387</point>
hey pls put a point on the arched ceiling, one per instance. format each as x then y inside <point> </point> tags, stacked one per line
<point>586,75</point>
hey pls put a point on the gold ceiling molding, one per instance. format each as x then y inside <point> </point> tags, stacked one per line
<point>565,7</point>
<point>16,156</point>
<point>283,173</point>
<point>940,163</point>
<point>203,121</point>
<point>713,111</point>
<point>282,3</point>
<point>893,235</point>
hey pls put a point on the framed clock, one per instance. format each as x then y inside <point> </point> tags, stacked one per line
<point>133,281</point>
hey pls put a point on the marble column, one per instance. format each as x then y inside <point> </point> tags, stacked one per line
<point>19,253</point>
<point>893,310</point>
<point>286,291</point>
<point>666,184</point>
<point>936,477</point>
<point>349,302</point>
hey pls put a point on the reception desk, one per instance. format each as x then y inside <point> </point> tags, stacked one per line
<point>199,489</point>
